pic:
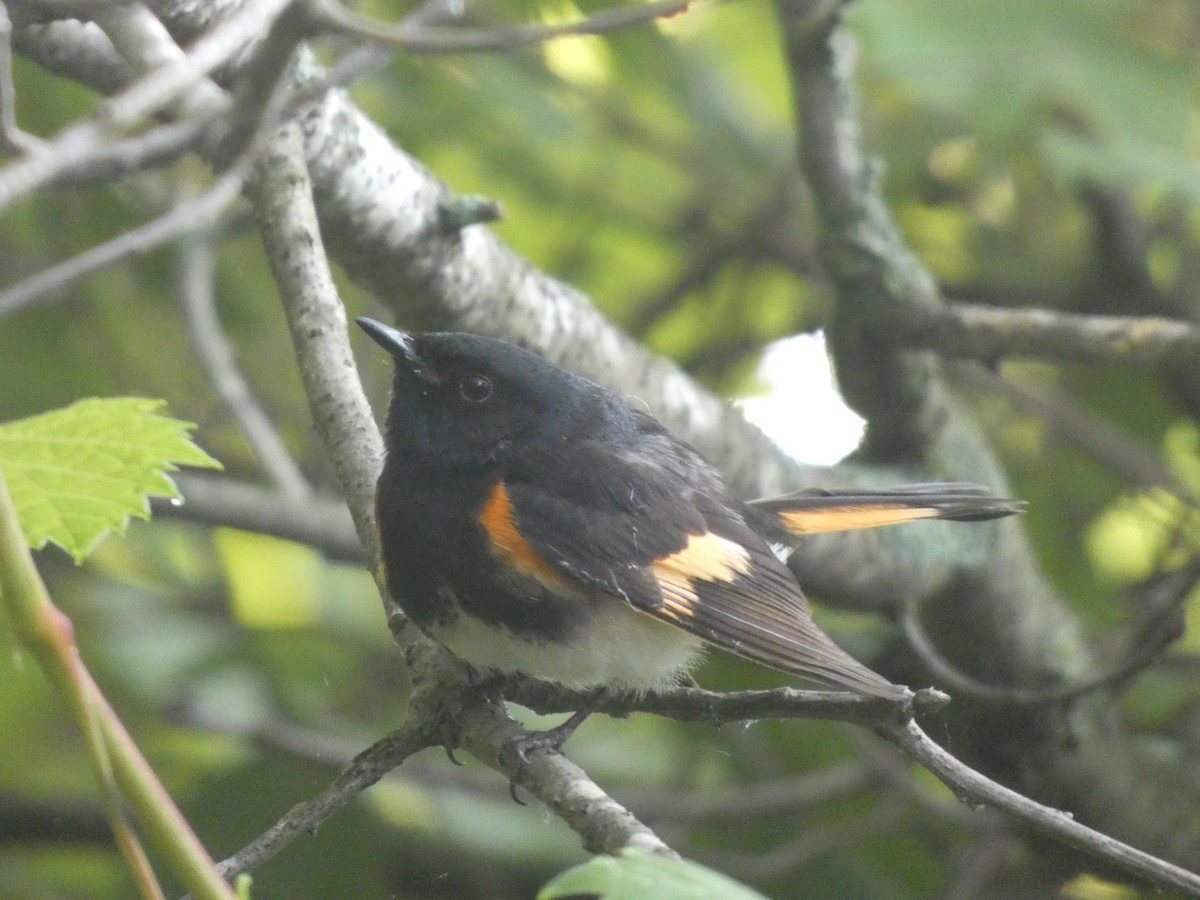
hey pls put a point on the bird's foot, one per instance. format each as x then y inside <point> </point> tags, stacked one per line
<point>527,743</point>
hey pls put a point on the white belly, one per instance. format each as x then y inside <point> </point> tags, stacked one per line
<point>624,649</point>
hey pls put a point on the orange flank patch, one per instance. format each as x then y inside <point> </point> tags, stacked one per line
<point>498,520</point>
<point>705,557</point>
<point>852,518</point>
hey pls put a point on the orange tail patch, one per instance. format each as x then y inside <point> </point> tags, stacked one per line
<point>851,518</point>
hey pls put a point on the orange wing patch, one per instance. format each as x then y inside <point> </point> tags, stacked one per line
<point>499,522</point>
<point>705,557</point>
<point>851,518</point>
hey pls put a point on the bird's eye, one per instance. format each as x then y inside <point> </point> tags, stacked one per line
<point>475,388</point>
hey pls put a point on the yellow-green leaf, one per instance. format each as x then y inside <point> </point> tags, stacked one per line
<point>633,876</point>
<point>79,472</point>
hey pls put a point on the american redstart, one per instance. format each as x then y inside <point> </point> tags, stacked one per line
<point>532,521</point>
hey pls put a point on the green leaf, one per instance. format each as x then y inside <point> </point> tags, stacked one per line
<point>635,876</point>
<point>79,472</point>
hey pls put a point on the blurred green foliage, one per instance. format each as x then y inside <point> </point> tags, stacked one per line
<point>655,169</point>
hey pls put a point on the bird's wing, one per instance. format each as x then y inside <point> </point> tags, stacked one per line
<point>639,529</point>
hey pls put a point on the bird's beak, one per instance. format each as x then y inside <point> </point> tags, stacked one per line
<point>399,345</point>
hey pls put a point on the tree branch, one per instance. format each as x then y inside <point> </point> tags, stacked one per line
<point>487,732</point>
<point>418,37</point>
<point>303,818</point>
<point>280,192</point>
<point>990,334</point>
<point>321,523</point>
<point>970,787</point>
<point>120,158</point>
<point>144,43</point>
<point>74,49</point>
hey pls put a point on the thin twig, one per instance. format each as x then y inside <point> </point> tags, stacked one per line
<point>372,55</point>
<point>117,159</point>
<point>332,16</point>
<point>179,220</point>
<point>264,89</point>
<point>303,818</point>
<point>190,69</point>
<point>752,802</point>
<point>322,524</point>
<point>1069,421</point>
<point>149,94</point>
<point>808,845</point>
<point>197,276</point>
<point>972,787</point>
<point>256,112</point>
<point>688,704</point>
<point>12,138</point>
<point>180,86</point>
<point>1141,656</point>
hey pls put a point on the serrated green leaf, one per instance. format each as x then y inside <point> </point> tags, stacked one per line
<point>79,472</point>
<point>635,876</point>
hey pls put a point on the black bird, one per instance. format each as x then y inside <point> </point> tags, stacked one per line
<point>532,521</point>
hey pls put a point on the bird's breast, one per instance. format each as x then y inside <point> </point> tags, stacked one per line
<point>618,647</point>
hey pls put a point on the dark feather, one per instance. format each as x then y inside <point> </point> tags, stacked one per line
<point>619,541</point>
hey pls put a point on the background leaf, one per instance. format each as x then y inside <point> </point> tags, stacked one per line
<point>80,472</point>
<point>636,876</point>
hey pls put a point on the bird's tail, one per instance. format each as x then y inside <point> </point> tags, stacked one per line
<point>820,510</point>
